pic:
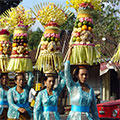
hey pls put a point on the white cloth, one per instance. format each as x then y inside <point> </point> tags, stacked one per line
<point>32,94</point>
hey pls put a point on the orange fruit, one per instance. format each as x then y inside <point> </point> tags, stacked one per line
<point>84,27</point>
<point>1,48</point>
<point>90,28</point>
<point>14,45</point>
<point>78,39</point>
<point>25,44</point>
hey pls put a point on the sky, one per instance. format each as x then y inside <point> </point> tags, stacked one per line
<point>30,3</point>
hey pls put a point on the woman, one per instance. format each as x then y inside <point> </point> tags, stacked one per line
<point>83,102</point>
<point>46,102</point>
<point>3,96</point>
<point>18,98</point>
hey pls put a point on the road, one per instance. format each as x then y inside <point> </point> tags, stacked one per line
<point>63,117</point>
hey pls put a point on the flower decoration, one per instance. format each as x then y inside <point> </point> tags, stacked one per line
<point>18,20</point>
<point>46,13</point>
<point>4,31</point>
<point>51,16</point>
<point>5,49</point>
<point>84,51</point>
<point>87,4</point>
<point>15,16</point>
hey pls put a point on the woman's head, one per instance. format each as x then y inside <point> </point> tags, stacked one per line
<point>4,78</point>
<point>20,79</point>
<point>49,81</point>
<point>80,74</point>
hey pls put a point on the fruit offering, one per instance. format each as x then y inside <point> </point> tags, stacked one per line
<point>5,49</point>
<point>20,43</point>
<point>84,51</point>
<point>20,60</point>
<point>51,38</point>
<point>19,20</point>
<point>83,25</point>
<point>51,17</point>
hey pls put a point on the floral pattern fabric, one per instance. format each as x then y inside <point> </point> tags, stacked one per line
<point>3,97</point>
<point>15,99</point>
<point>79,97</point>
<point>44,100</point>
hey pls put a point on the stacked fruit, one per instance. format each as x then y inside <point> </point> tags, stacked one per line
<point>5,44</point>
<point>81,24</point>
<point>86,23</point>
<point>51,16</point>
<point>19,46</point>
<point>84,51</point>
<point>51,37</point>
<point>51,23</point>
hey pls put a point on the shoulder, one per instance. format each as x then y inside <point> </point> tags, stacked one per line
<point>90,88</point>
<point>1,87</point>
<point>11,89</point>
<point>42,92</point>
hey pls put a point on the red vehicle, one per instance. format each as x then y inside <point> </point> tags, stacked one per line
<point>109,110</point>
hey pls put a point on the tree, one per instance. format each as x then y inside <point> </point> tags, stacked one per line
<point>68,25</point>
<point>107,26</point>
<point>34,38</point>
<point>7,4</point>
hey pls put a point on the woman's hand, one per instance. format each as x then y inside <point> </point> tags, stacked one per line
<point>22,110</point>
<point>30,75</point>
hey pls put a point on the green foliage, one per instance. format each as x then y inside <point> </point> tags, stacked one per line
<point>7,4</point>
<point>34,38</point>
<point>107,23</point>
<point>68,25</point>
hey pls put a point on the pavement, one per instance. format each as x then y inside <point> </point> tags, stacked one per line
<point>63,117</point>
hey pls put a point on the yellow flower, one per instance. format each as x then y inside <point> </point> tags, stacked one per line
<point>51,12</point>
<point>67,2</point>
<point>15,15</point>
<point>75,3</point>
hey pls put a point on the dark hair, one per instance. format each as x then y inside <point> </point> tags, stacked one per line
<point>76,71</point>
<point>19,74</point>
<point>46,75</point>
<point>4,74</point>
<point>39,91</point>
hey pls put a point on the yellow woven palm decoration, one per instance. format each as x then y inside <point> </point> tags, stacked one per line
<point>116,56</point>
<point>19,21</point>
<point>84,51</point>
<point>75,4</point>
<point>15,16</point>
<point>5,44</point>
<point>5,50</point>
<point>48,12</point>
<point>51,16</point>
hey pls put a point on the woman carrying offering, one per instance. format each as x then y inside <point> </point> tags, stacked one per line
<point>46,102</point>
<point>83,102</point>
<point>18,98</point>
